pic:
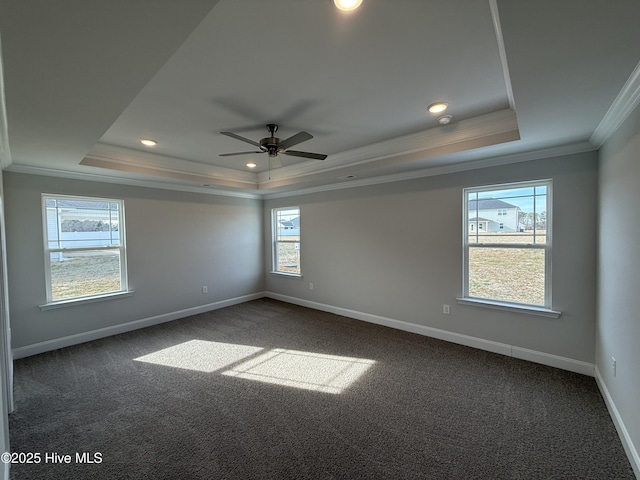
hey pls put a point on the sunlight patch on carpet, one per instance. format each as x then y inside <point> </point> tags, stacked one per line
<point>309,371</point>
<point>200,355</point>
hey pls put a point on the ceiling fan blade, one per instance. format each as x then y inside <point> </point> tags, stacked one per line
<point>315,156</point>
<point>296,139</point>
<point>276,162</point>
<point>242,139</point>
<point>239,153</point>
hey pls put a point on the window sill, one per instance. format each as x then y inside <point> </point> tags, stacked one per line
<point>84,300</point>
<point>283,274</point>
<point>526,309</point>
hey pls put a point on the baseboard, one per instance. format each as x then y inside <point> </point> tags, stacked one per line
<point>564,363</point>
<point>548,359</point>
<point>469,341</point>
<point>57,343</point>
<point>623,433</point>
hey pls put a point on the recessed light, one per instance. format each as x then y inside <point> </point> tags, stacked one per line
<point>347,5</point>
<point>252,165</point>
<point>444,119</point>
<point>438,107</point>
<point>148,142</point>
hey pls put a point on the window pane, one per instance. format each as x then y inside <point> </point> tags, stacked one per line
<point>92,272</point>
<point>288,257</point>
<point>507,274</point>
<point>81,223</point>
<point>288,224</point>
<point>519,212</point>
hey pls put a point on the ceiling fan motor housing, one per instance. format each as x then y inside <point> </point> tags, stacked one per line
<point>270,145</point>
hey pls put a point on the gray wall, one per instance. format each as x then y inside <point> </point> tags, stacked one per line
<point>618,329</point>
<point>394,250</point>
<point>176,243</point>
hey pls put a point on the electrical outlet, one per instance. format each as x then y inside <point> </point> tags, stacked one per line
<point>205,289</point>
<point>311,286</point>
<point>446,309</point>
<point>613,366</point>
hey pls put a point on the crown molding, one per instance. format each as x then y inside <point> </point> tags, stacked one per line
<point>483,130</point>
<point>626,101</point>
<point>174,174</point>
<point>92,177</point>
<point>433,171</point>
<point>551,152</point>
<point>120,158</point>
<point>495,16</point>
<point>5,152</point>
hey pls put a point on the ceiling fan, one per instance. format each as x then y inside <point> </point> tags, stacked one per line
<point>274,146</point>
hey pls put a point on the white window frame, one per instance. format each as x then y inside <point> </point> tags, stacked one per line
<point>542,310</point>
<point>276,242</point>
<point>121,247</point>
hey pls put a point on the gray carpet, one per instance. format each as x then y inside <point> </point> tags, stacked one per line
<point>268,390</point>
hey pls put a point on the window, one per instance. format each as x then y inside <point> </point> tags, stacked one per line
<point>286,240</point>
<point>84,247</point>
<point>508,261</point>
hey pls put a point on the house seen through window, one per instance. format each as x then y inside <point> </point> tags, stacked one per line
<point>507,243</point>
<point>84,247</point>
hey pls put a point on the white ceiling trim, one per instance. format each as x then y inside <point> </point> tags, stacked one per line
<point>433,171</point>
<point>445,169</point>
<point>626,101</point>
<point>5,152</point>
<point>152,161</point>
<point>130,167</point>
<point>91,177</point>
<point>475,132</point>
<point>495,15</point>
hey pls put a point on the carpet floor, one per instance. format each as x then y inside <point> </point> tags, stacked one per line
<point>269,390</point>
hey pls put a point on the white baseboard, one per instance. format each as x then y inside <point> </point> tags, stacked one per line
<point>551,360</point>
<point>625,438</point>
<point>469,341</point>
<point>49,345</point>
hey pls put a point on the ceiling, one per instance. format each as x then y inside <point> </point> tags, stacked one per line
<point>85,80</point>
